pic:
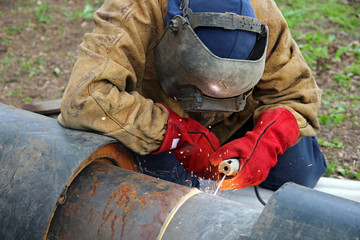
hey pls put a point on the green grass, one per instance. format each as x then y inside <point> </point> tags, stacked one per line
<point>18,93</point>
<point>342,170</point>
<point>31,66</point>
<point>335,143</point>
<point>4,63</point>
<point>309,22</point>
<point>43,13</point>
<point>86,13</point>
<point>303,14</point>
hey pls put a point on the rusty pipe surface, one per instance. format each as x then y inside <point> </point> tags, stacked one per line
<point>38,161</point>
<point>108,202</point>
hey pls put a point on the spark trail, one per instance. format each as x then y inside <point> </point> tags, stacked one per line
<point>217,189</point>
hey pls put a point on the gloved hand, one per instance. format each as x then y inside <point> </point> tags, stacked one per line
<point>275,131</point>
<point>192,143</point>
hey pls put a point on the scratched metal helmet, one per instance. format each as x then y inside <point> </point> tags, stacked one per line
<point>210,60</point>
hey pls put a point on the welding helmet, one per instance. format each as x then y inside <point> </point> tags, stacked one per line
<point>211,54</point>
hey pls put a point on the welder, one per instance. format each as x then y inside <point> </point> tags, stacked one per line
<point>186,84</point>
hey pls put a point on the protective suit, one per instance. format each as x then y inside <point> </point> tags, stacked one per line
<point>113,88</point>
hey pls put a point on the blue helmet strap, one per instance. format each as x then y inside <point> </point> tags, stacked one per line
<point>228,21</point>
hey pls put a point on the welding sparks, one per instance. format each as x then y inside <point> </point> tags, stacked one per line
<point>217,189</point>
<point>207,185</point>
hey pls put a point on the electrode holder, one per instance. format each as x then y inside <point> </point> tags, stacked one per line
<point>229,167</point>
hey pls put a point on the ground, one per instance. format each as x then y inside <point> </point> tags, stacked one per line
<point>39,44</point>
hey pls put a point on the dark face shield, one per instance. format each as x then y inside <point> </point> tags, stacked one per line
<point>191,73</point>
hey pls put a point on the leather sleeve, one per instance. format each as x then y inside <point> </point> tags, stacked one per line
<point>103,92</point>
<point>287,81</point>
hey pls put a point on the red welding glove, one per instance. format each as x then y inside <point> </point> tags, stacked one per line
<point>275,131</point>
<point>192,143</point>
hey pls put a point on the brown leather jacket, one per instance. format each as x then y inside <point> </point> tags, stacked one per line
<point>113,88</point>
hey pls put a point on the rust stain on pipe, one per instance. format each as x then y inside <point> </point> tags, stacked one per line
<point>119,205</point>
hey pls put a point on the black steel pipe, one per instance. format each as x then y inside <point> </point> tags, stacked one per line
<point>297,212</point>
<point>38,160</point>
